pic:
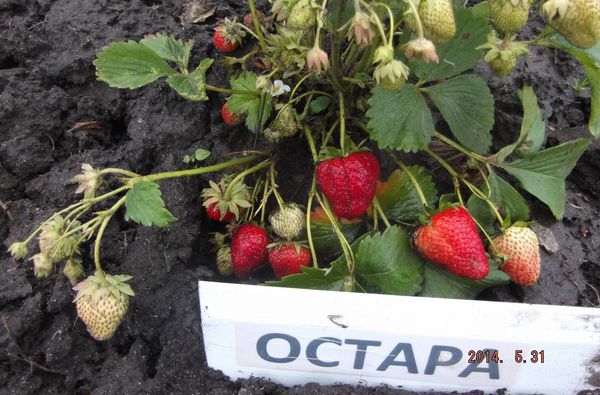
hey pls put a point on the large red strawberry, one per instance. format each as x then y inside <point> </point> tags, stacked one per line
<point>248,249</point>
<point>288,259</point>
<point>228,36</point>
<point>451,241</point>
<point>349,183</point>
<point>521,251</point>
<point>230,118</point>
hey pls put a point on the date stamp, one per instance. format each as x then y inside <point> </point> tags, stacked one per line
<point>520,356</point>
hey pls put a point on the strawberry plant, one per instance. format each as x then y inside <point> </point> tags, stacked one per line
<point>372,89</point>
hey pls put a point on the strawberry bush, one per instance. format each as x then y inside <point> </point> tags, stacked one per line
<point>372,88</point>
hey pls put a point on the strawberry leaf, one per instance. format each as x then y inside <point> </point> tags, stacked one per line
<point>399,198</point>
<point>331,279</point>
<point>256,107</point>
<point>533,128</point>
<point>590,60</point>
<point>386,261</point>
<point>130,65</point>
<point>400,120</point>
<point>543,173</point>
<point>191,86</point>
<point>440,283</point>
<point>460,53</point>
<point>144,205</point>
<point>169,48</point>
<point>468,107</point>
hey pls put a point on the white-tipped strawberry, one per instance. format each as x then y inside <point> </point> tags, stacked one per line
<point>103,305</point>
<point>288,222</point>
<point>519,247</point>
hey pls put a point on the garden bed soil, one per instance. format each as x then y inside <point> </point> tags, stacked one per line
<point>48,89</point>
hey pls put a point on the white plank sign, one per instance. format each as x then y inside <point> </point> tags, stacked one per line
<point>294,336</point>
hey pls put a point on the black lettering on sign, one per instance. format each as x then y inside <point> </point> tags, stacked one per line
<point>409,362</point>
<point>434,358</point>
<point>263,341</point>
<point>361,349</point>
<point>492,369</point>
<point>311,351</point>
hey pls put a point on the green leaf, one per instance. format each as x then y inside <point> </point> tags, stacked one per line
<point>440,283</point>
<point>460,53</point>
<point>468,107</point>
<point>256,107</point>
<point>201,154</point>
<point>400,120</point>
<point>193,85</point>
<point>387,262</point>
<point>399,198</point>
<point>543,173</point>
<point>533,128</point>
<point>507,198</point>
<point>590,60</point>
<point>169,48</point>
<point>319,104</point>
<point>130,65</point>
<point>331,279</point>
<point>144,205</point>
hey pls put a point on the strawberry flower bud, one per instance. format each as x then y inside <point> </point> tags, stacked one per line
<point>361,28</point>
<point>421,48</point>
<point>317,60</point>
<point>88,181</point>
<point>263,84</point>
<point>18,250</point>
<point>384,54</point>
<point>73,270</point>
<point>42,265</point>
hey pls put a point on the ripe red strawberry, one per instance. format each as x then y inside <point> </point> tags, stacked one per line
<point>228,36</point>
<point>349,183</point>
<point>288,259</point>
<point>221,206</point>
<point>520,248</point>
<point>451,241</point>
<point>230,118</point>
<point>214,213</point>
<point>248,249</point>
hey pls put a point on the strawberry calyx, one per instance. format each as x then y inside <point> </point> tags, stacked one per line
<point>230,31</point>
<point>215,198</point>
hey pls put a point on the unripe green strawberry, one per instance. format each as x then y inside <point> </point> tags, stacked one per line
<point>302,15</point>
<point>288,59</point>
<point>224,263</point>
<point>288,222</point>
<point>577,20</point>
<point>437,18</point>
<point>520,249</point>
<point>73,270</point>
<point>284,125</point>
<point>42,265</point>
<point>508,16</point>
<point>503,67</point>
<point>103,305</point>
<point>51,242</point>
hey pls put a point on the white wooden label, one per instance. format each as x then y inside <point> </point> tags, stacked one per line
<point>294,336</point>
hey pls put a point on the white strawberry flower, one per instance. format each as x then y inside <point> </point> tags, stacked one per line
<point>279,88</point>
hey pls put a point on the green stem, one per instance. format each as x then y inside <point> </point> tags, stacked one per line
<point>263,203</point>
<point>391,16</point>
<point>229,91</point>
<point>274,187</point>
<point>417,18</point>
<point>257,27</point>
<point>201,170</point>
<point>460,148</point>
<point>379,209</point>
<point>412,179</point>
<point>111,170</point>
<point>241,176</point>
<point>311,144</point>
<point>311,195</point>
<point>342,123</point>
<point>336,75</point>
<point>298,85</point>
<point>105,221</point>
<point>346,247</point>
<point>330,133</point>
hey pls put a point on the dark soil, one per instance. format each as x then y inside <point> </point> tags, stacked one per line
<point>47,85</point>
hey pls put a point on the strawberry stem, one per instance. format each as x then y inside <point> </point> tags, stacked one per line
<point>342,124</point>
<point>412,179</point>
<point>460,148</point>
<point>311,195</point>
<point>107,217</point>
<point>257,27</point>
<point>200,170</point>
<point>311,144</point>
<point>111,170</point>
<point>241,176</point>
<point>415,12</point>
<point>346,247</point>
<point>229,91</point>
<point>378,208</point>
